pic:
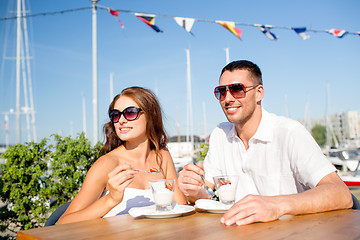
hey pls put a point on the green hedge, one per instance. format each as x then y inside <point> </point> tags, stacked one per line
<point>35,173</point>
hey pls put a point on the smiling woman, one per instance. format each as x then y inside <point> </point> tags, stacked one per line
<point>135,143</point>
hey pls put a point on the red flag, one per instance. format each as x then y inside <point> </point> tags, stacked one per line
<point>116,15</point>
<point>338,32</point>
<point>231,27</point>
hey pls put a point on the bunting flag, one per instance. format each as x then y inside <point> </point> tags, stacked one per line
<point>149,19</point>
<point>301,32</point>
<point>266,30</point>
<point>186,23</point>
<point>338,32</point>
<point>116,15</point>
<point>231,27</point>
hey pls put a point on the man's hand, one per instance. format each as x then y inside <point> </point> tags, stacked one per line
<point>252,208</point>
<point>190,182</point>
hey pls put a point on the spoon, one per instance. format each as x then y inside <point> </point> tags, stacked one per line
<point>207,189</point>
<point>150,172</point>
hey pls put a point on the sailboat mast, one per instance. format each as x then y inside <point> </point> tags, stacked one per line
<point>18,42</point>
<point>189,102</point>
<point>330,133</point>
<point>28,68</point>
<point>306,116</point>
<point>95,73</point>
<point>227,55</point>
<point>205,121</point>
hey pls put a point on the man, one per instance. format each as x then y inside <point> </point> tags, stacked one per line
<point>281,168</point>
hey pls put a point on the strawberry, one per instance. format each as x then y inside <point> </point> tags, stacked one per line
<point>224,182</point>
<point>153,170</point>
<point>168,186</point>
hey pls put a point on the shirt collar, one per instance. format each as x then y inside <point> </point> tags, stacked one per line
<point>264,131</point>
<point>232,132</point>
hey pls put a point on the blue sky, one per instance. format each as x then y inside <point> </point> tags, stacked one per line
<point>294,70</point>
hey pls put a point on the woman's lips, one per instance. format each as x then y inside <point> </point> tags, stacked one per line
<point>124,129</point>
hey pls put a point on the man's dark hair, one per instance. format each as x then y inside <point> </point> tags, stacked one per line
<point>245,65</point>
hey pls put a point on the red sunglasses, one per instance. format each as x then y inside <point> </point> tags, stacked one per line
<point>237,90</point>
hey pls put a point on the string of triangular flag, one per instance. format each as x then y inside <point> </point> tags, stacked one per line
<point>187,24</point>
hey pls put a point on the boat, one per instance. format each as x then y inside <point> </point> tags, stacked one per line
<point>183,151</point>
<point>345,159</point>
<point>352,181</point>
<point>347,162</point>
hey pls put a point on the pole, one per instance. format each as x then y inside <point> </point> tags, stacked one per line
<point>6,128</point>
<point>205,120</point>
<point>28,68</point>
<point>189,98</point>
<point>227,55</point>
<point>18,38</point>
<point>95,74</point>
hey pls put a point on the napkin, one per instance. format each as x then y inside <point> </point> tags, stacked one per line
<point>211,204</point>
<point>139,211</point>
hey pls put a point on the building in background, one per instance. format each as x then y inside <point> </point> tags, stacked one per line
<point>345,126</point>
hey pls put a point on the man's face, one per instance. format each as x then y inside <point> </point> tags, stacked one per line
<point>240,110</point>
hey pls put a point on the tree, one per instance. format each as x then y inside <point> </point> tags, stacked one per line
<point>319,134</point>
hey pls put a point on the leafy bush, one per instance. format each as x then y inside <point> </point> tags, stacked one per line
<point>71,159</point>
<point>35,172</point>
<point>24,186</point>
<point>204,147</point>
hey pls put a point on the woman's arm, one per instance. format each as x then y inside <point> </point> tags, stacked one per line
<point>104,174</point>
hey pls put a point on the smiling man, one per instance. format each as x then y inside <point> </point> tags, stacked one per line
<point>281,169</point>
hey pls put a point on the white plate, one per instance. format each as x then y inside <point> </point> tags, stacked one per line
<point>150,211</point>
<point>211,206</point>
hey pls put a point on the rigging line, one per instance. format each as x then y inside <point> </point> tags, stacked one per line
<point>214,21</point>
<point>46,13</point>
<point>160,15</point>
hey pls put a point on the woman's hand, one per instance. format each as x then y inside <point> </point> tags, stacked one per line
<point>118,180</point>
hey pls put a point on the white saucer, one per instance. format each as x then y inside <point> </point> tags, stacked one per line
<point>211,206</point>
<point>150,211</point>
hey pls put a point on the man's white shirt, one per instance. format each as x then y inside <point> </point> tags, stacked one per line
<point>282,158</point>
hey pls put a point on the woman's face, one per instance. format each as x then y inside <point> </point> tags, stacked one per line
<point>130,130</point>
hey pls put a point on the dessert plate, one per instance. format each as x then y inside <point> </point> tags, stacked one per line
<point>211,206</point>
<point>150,211</point>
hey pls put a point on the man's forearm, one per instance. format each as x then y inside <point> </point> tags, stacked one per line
<point>324,197</point>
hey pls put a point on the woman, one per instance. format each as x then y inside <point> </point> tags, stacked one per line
<point>135,140</point>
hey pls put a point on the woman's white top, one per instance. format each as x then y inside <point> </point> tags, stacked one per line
<point>132,198</point>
